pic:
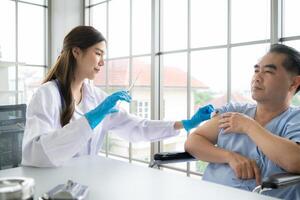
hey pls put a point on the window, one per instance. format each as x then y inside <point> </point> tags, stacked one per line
<point>37,2</point>
<point>247,26</point>
<point>243,68</point>
<point>202,28</point>
<point>141,94</point>
<point>143,109</point>
<point>29,80</point>
<point>200,57</point>
<point>207,89</point>
<point>126,24</point>
<point>118,73</point>
<point>174,24</point>
<point>290,16</point>
<point>141,27</point>
<point>7,53</point>
<point>291,31</point>
<point>208,74</point>
<point>8,84</point>
<point>174,106</point>
<point>31,18</point>
<point>7,37</point>
<point>118,31</point>
<point>22,50</point>
<point>98,17</point>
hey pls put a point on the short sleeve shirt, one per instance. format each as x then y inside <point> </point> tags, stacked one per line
<point>286,125</point>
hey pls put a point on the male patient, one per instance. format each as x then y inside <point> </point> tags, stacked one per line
<point>255,141</point>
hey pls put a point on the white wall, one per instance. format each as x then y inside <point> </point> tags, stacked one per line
<point>64,15</point>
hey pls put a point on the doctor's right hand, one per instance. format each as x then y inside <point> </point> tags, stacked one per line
<point>203,113</point>
<point>96,115</point>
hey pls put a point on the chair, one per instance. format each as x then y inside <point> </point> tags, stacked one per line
<point>12,123</point>
<point>274,181</point>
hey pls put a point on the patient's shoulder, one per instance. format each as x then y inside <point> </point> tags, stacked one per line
<point>292,114</point>
<point>236,107</point>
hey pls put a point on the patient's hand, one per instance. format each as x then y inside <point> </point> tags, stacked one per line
<point>235,122</point>
<point>243,167</point>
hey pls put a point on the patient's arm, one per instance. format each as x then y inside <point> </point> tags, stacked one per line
<point>201,143</point>
<point>282,151</point>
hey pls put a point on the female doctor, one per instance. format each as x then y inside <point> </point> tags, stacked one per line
<point>68,117</point>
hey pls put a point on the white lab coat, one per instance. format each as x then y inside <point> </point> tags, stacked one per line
<point>47,144</point>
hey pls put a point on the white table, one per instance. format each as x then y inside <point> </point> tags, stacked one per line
<point>116,180</point>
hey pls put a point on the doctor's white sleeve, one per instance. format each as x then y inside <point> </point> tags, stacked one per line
<point>135,129</point>
<point>45,143</point>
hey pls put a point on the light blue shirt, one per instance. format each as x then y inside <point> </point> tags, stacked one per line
<point>286,125</point>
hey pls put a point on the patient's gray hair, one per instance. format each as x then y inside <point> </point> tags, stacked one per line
<point>292,61</point>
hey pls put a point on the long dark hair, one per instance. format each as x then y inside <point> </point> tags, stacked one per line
<point>63,70</point>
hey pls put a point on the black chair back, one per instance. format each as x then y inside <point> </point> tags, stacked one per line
<point>12,124</point>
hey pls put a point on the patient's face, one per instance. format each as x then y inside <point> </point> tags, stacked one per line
<point>270,81</point>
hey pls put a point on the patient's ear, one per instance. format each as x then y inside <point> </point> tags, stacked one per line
<point>295,83</point>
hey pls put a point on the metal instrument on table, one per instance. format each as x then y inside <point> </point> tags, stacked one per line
<point>69,191</point>
<point>12,188</point>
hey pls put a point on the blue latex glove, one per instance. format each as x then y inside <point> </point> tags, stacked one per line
<point>96,115</point>
<point>201,115</point>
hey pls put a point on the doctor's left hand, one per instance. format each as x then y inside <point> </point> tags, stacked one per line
<point>96,115</point>
<point>203,113</point>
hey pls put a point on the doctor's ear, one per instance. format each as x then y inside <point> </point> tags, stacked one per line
<point>76,51</point>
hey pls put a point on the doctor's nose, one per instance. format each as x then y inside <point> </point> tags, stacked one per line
<point>101,62</point>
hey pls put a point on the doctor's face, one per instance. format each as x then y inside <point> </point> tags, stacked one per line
<point>90,61</point>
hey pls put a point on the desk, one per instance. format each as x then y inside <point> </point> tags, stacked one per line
<point>110,179</point>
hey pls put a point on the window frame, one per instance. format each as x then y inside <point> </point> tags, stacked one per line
<point>17,64</point>
<point>276,36</point>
